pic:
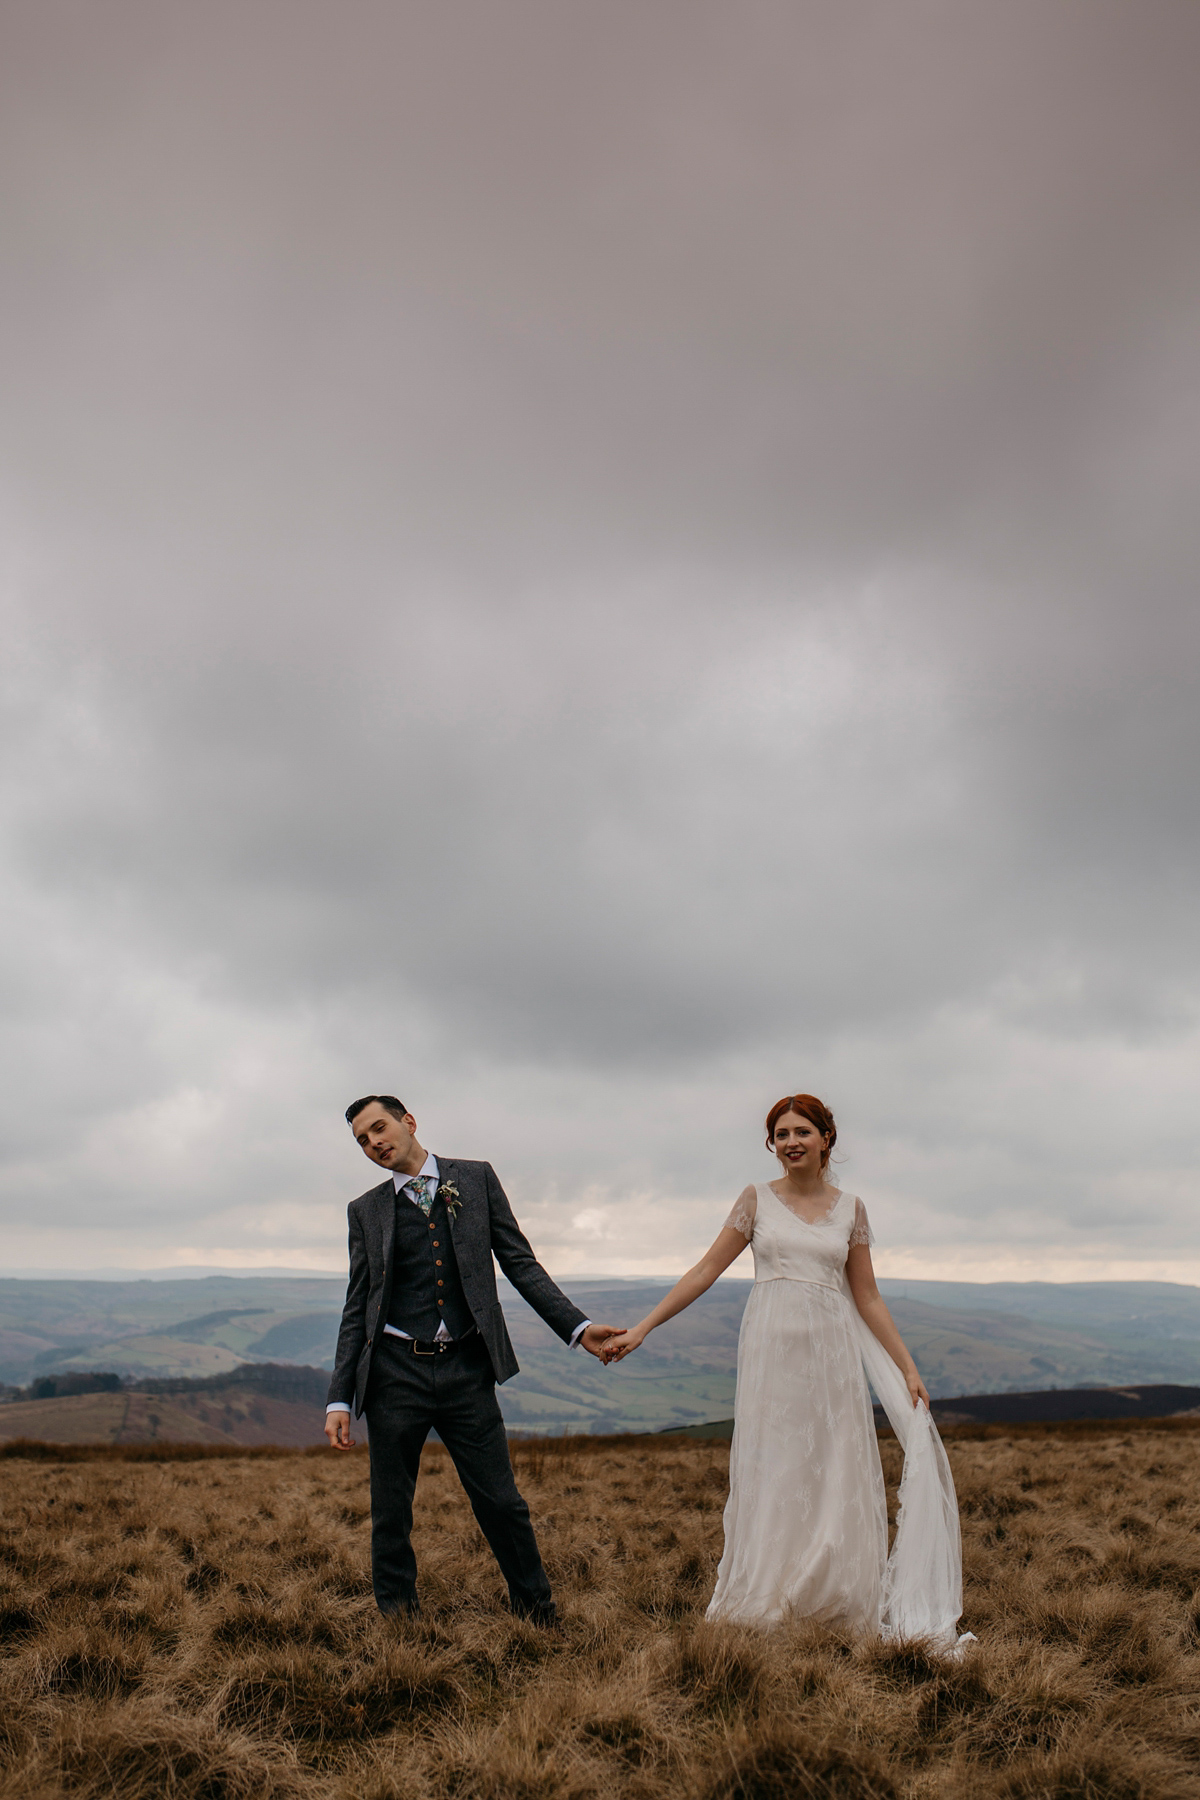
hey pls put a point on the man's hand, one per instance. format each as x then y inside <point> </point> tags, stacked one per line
<point>337,1430</point>
<point>596,1336</point>
<point>620,1344</point>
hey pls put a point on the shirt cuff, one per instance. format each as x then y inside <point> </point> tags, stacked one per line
<point>338,1406</point>
<point>578,1333</point>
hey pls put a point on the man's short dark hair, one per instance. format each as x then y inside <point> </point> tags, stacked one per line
<point>388,1102</point>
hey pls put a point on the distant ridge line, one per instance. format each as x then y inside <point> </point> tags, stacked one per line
<point>1158,1400</point>
<point>1041,1406</point>
<point>186,1272</point>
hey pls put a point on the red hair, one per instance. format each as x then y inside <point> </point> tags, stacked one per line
<point>810,1108</point>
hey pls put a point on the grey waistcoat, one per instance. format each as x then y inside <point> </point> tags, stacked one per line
<point>426,1285</point>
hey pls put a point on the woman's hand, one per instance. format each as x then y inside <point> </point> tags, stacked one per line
<point>916,1387</point>
<point>621,1344</point>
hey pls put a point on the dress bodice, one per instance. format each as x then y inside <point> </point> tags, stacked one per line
<point>789,1248</point>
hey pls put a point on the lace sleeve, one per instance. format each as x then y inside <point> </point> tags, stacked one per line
<point>743,1215</point>
<point>860,1231</point>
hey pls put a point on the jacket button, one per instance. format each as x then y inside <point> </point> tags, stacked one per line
<point>369,1342</point>
<point>438,1263</point>
<point>439,1283</point>
<point>441,1303</point>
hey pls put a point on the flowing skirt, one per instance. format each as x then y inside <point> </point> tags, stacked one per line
<point>806,1521</point>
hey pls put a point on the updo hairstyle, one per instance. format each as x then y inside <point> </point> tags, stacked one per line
<point>810,1108</point>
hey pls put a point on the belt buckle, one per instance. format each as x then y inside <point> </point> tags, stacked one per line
<point>417,1351</point>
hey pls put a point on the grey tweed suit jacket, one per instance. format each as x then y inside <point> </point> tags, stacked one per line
<point>484,1224</point>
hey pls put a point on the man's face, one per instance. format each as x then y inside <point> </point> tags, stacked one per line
<point>384,1138</point>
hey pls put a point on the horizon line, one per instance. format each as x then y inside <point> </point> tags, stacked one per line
<point>202,1272</point>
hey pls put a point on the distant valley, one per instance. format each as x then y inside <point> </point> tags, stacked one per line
<point>178,1328</point>
<point>968,1339</point>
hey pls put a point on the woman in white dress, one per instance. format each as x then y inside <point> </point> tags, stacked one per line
<point>806,1521</point>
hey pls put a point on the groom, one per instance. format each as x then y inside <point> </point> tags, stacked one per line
<point>423,1343</point>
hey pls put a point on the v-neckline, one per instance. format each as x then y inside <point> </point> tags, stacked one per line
<point>811,1223</point>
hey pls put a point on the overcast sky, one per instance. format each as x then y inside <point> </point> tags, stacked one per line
<point>590,567</point>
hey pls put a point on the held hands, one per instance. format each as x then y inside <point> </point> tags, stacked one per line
<point>620,1344</point>
<point>337,1430</point>
<point>595,1338</point>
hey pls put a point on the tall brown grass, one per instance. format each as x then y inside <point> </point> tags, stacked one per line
<point>205,1629</point>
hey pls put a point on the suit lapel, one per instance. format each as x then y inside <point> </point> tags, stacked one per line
<point>447,1172</point>
<point>460,1215</point>
<point>386,1196</point>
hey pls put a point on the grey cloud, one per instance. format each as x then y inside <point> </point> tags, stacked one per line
<point>598,556</point>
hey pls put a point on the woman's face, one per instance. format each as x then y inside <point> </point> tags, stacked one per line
<point>798,1144</point>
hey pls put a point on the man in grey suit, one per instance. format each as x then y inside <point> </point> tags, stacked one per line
<point>423,1343</point>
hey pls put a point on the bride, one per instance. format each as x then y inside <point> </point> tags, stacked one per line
<point>806,1521</point>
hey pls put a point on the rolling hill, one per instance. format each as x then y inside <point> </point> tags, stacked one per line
<point>183,1328</point>
<point>257,1404</point>
<point>968,1338</point>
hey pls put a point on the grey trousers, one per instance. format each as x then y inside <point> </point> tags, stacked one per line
<point>455,1394</point>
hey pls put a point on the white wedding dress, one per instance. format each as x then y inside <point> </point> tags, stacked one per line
<point>806,1520</point>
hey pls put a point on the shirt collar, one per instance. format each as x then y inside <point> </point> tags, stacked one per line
<point>428,1167</point>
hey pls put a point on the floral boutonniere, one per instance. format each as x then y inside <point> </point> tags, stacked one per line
<point>450,1194</point>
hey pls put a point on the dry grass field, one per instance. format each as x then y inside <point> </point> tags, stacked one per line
<point>204,1628</point>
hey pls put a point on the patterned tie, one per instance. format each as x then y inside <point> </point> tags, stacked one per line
<point>420,1191</point>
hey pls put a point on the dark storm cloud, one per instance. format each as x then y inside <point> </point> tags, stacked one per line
<point>606,561</point>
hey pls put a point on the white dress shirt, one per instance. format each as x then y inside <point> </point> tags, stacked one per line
<point>429,1167</point>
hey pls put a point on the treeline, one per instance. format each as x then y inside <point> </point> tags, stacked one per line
<point>74,1381</point>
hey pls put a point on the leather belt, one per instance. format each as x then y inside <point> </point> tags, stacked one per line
<point>437,1346</point>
